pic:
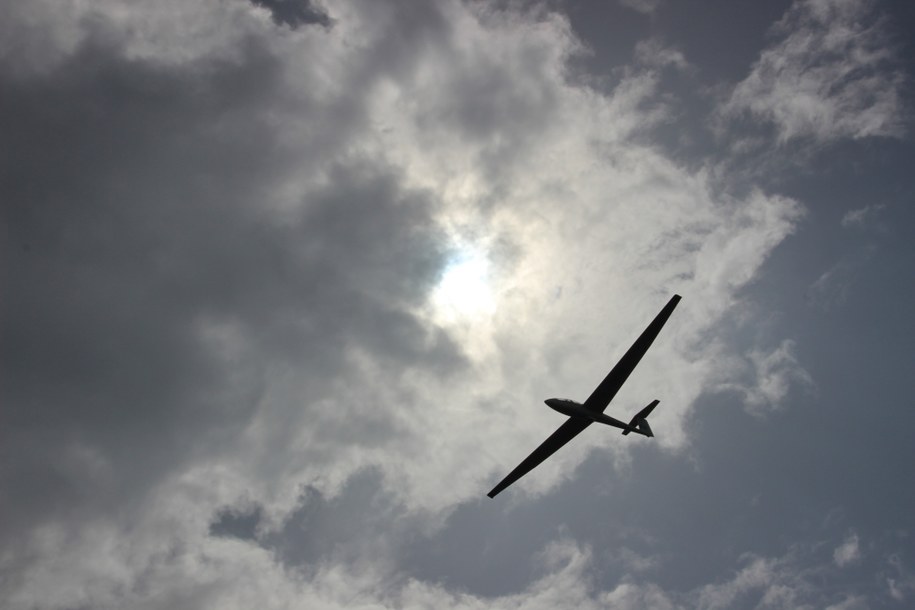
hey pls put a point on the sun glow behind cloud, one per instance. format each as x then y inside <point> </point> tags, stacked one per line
<point>465,290</point>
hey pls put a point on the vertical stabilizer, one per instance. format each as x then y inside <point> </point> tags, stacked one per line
<point>639,423</point>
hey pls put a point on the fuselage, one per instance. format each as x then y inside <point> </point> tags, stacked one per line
<point>578,410</point>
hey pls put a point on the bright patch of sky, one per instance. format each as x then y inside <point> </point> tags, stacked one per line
<point>465,289</point>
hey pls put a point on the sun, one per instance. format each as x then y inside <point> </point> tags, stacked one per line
<point>465,289</point>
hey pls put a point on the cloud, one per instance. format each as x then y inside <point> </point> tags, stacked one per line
<point>294,13</point>
<point>852,602</point>
<point>832,288</point>
<point>859,216</point>
<point>222,242</point>
<point>901,583</point>
<point>653,52</point>
<point>792,580</point>
<point>227,573</point>
<point>759,574</point>
<point>847,552</point>
<point>773,374</point>
<point>193,270</point>
<point>830,74</point>
<point>648,7</point>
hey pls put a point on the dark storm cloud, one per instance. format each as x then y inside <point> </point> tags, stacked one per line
<point>136,215</point>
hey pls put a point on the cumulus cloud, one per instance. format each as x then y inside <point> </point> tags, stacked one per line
<point>221,242</point>
<point>830,73</point>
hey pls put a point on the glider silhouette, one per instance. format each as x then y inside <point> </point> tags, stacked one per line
<point>583,415</point>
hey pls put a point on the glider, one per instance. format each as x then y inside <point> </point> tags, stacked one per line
<point>583,415</point>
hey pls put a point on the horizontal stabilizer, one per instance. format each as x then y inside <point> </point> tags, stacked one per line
<point>639,423</point>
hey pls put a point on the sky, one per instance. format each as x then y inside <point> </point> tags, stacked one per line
<point>285,284</point>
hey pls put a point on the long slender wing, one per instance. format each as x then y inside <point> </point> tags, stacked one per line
<point>612,383</point>
<point>563,435</point>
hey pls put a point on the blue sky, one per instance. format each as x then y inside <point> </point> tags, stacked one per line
<point>285,285</point>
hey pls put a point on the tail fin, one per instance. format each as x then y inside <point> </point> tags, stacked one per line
<point>639,423</point>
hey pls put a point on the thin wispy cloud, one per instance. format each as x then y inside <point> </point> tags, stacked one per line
<point>831,72</point>
<point>861,216</point>
<point>832,288</point>
<point>848,552</point>
<point>772,375</point>
<point>642,6</point>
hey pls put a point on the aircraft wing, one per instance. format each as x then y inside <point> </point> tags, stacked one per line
<point>563,435</point>
<point>611,384</point>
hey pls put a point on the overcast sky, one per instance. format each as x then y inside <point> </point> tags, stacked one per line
<point>283,286</point>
